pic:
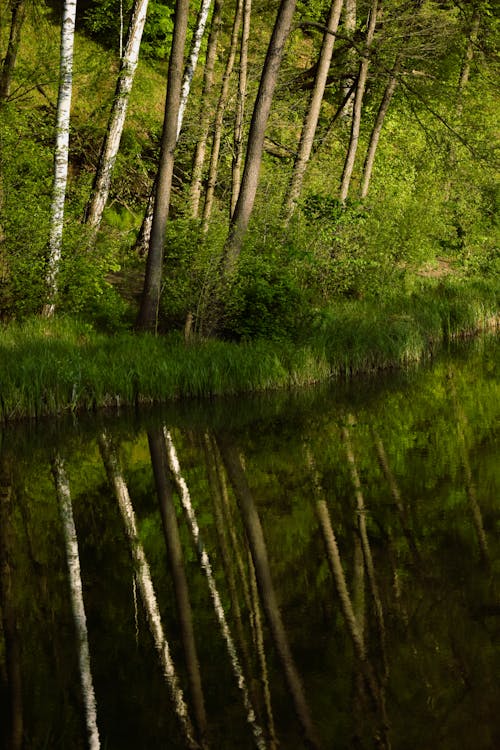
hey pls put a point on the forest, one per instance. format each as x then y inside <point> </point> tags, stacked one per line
<point>269,172</point>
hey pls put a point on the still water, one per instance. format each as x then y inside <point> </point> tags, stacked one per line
<point>314,569</point>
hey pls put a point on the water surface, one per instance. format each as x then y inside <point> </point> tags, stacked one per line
<point>308,569</point>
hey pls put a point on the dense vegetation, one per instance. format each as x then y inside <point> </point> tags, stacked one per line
<point>419,229</point>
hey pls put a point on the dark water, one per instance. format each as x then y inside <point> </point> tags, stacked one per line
<point>330,577</point>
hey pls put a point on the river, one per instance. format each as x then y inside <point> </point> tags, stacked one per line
<point>318,568</point>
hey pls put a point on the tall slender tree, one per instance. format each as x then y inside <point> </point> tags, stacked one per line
<point>205,110</point>
<point>312,117</point>
<point>219,116</point>
<point>240,107</point>
<point>150,300</point>
<point>18,10</point>
<point>358,103</point>
<point>255,144</point>
<point>193,59</point>
<point>61,157</point>
<point>111,143</point>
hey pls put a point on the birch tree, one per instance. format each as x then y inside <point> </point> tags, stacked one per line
<point>111,144</point>
<point>255,144</point>
<point>311,121</point>
<point>150,300</point>
<point>193,59</point>
<point>61,153</point>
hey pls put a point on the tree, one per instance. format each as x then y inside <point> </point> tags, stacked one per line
<point>219,116</point>
<point>358,103</point>
<point>240,107</point>
<point>205,110</point>
<point>111,143</point>
<point>255,144</point>
<point>311,121</point>
<point>150,300</point>
<point>18,14</point>
<point>193,59</point>
<point>61,152</point>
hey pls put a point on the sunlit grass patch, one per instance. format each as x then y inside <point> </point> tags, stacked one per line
<point>61,365</point>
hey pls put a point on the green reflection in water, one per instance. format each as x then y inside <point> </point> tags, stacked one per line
<point>369,617</point>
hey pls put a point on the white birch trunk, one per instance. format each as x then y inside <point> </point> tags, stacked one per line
<point>77,605</point>
<point>193,60</point>
<point>183,490</point>
<point>146,588</point>
<point>128,66</point>
<point>61,152</point>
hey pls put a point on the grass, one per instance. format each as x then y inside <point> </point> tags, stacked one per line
<point>64,365</point>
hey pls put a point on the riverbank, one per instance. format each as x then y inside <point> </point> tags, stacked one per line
<point>65,365</point>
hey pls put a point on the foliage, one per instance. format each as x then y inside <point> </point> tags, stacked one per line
<point>102,19</point>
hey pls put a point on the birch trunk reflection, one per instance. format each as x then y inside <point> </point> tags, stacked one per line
<point>255,536</point>
<point>14,735</point>
<point>164,491</point>
<point>182,488</point>
<point>143,576</point>
<point>75,582</point>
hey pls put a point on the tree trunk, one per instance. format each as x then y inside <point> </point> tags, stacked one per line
<point>111,144</point>
<point>164,491</point>
<point>219,117</point>
<point>240,107</point>
<point>349,81</point>
<point>358,103</point>
<point>150,301</point>
<point>144,236</point>
<point>205,113</point>
<point>193,59</point>
<point>77,604</point>
<point>8,65</point>
<point>377,127</point>
<point>61,153</point>
<point>255,145</point>
<point>311,121</point>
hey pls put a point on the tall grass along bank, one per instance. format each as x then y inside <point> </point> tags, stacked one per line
<point>51,367</point>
